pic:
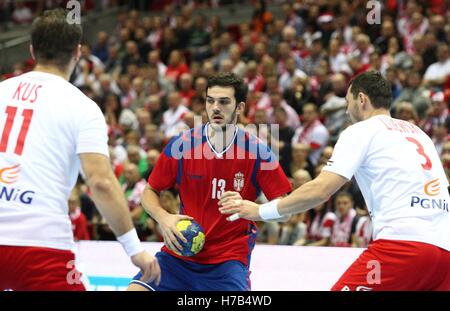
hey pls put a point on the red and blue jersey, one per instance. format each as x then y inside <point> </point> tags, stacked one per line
<point>203,175</point>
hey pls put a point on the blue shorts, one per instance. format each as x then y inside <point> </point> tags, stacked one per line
<point>182,275</point>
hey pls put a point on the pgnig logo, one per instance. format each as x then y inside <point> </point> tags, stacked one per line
<point>431,189</point>
<point>8,193</point>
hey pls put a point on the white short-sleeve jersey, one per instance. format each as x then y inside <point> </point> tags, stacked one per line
<point>400,176</point>
<point>46,122</point>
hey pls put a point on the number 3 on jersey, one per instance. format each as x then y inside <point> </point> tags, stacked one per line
<point>11,112</point>
<point>420,150</point>
<point>218,188</point>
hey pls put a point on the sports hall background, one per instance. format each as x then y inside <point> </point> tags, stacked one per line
<point>145,64</point>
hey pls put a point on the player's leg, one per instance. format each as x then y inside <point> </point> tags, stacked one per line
<point>442,274</point>
<point>391,265</point>
<point>8,267</point>
<point>133,287</point>
<point>139,285</point>
<point>38,268</point>
<point>230,275</point>
<point>174,276</point>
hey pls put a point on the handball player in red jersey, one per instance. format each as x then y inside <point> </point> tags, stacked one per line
<point>205,162</point>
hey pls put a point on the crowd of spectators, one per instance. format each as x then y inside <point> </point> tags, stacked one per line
<point>149,74</point>
<point>22,12</point>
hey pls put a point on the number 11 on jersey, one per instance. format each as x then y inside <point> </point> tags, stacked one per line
<point>11,112</point>
<point>218,188</point>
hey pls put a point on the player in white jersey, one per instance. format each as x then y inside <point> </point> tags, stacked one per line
<point>403,183</point>
<point>47,129</point>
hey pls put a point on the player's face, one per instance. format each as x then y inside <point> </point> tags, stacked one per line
<point>353,109</point>
<point>221,106</point>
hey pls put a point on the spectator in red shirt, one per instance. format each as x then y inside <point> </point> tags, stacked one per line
<point>357,66</point>
<point>176,66</point>
<point>436,114</point>
<point>342,229</point>
<point>78,219</point>
<point>312,133</point>
<point>253,79</point>
<point>186,89</point>
<point>320,226</point>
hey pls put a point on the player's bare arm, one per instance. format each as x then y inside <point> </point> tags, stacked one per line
<point>110,201</point>
<point>302,199</point>
<point>167,221</point>
<point>236,197</point>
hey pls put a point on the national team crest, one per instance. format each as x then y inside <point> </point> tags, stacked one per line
<point>238,183</point>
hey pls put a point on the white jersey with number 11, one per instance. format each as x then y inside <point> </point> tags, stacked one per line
<point>46,122</point>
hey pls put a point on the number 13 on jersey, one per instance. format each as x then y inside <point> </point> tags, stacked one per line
<point>218,188</point>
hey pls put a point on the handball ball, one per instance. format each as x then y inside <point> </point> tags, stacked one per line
<point>194,235</point>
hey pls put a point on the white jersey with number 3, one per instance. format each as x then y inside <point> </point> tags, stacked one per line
<point>400,176</point>
<point>45,123</point>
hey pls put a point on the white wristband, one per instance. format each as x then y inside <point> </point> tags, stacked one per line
<point>233,217</point>
<point>131,243</point>
<point>269,210</point>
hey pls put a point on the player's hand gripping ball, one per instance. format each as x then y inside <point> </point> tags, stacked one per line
<point>194,235</point>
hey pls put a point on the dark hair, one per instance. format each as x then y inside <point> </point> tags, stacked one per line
<point>377,88</point>
<point>229,80</point>
<point>54,40</point>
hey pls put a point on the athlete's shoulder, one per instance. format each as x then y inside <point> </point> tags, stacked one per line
<point>195,133</point>
<point>362,128</point>
<point>255,146</point>
<point>11,82</point>
<point>77,96</point>
<point>244,136</point>
<point>53,87</point>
